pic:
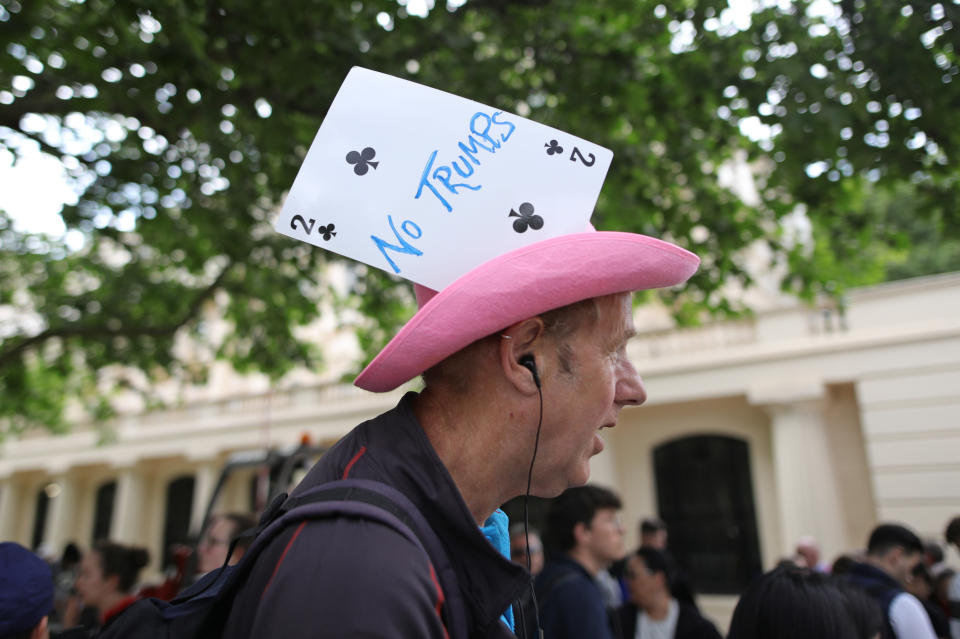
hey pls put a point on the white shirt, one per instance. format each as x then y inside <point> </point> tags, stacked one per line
<point>909,619</point>
<point>648,628</point>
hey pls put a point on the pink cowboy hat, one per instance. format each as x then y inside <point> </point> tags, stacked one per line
<point>523,283</point>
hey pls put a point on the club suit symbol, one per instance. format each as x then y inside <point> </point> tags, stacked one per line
<point>362,160</point>
<point>526,218</point>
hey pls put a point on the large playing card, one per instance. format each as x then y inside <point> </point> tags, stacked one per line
<point>429,185</point>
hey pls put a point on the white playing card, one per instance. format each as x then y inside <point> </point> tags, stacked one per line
<point>429,185</point>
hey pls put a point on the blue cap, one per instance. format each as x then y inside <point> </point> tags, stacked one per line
<point>26,589</point>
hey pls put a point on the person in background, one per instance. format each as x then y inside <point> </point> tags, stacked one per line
<point>893,551</point>
<point>920,585</point>
<point>942,575</point>
<point>26,593</point>
<point>64,576</point>
<point>584,536</point>
<point>519,548</point>
<point>108,573</point>
<point>653,533</point>
<point>932,553</point>
<point>652,611</point>
<point>790,602</point>
<point>217,537</point>
<point>808,554</point>
<point>952,534</point>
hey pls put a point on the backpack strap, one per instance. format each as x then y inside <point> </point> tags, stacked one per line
<point>365,498</point>
<point>389,499</point>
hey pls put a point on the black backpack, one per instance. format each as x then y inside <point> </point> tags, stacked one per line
<point>202,609</point>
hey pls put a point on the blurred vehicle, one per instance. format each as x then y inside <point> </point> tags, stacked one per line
<point>248,482</point>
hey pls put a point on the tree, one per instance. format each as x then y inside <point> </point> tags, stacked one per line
<point>183,123</point>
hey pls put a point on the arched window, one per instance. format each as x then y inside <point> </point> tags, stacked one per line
<point>705,496</point>
<point>103,510</point>
<point>179,507</point>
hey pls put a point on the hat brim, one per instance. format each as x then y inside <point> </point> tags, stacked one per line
<point>520,284</point>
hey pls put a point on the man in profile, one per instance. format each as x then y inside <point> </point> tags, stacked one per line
<point>523,356</point>
<point>584,536</point>
<point>893,551</point>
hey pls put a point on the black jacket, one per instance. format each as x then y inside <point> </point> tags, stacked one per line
<point>344,577</point>
<point>879,585</point>
<point>690,623</point>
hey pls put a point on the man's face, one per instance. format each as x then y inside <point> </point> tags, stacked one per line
<point>214,544</point>
<point>903,562</point>
<point>642,585</point>
<point>588,397</point>
<point>518,552</point>
<point>656,539</point>
<point>603,538</point>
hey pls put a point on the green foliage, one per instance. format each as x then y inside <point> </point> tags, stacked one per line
<point>201,113</point>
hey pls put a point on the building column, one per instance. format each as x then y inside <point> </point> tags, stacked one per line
<point>10,497</point>
<point>128,508</point>
<point>61,516</point>
<point>806,480</point>
<point>205,480</point>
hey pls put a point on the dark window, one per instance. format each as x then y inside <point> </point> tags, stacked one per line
<point>40,517</point>
<point>705,496</point>
<point>103,510</point>
<point>179,508</point>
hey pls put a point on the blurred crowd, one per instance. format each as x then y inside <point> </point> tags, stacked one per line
<point>896,587</point>
<point>585,582</point>
<point>77,594</point>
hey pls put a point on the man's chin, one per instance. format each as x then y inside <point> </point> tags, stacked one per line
<point>556,484</point>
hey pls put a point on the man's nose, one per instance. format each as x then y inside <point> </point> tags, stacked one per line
<point>630,390</point>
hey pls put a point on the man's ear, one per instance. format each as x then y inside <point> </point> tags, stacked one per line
<point>581,532</point>
<point>523,339</point>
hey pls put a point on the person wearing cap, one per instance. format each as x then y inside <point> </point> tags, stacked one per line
<point>26,593</point>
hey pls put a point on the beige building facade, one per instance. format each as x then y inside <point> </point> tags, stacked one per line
<point>793,422</point>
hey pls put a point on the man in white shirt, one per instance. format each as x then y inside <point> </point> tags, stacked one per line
<point>892,553</point>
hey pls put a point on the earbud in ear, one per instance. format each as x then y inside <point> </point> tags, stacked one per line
<point>528,362</point>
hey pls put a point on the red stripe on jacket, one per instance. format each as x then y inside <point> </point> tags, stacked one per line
<point>282,557</point>
<point>346,471</point>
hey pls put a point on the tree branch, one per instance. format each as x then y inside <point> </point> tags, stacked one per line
<point>68,332</point>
